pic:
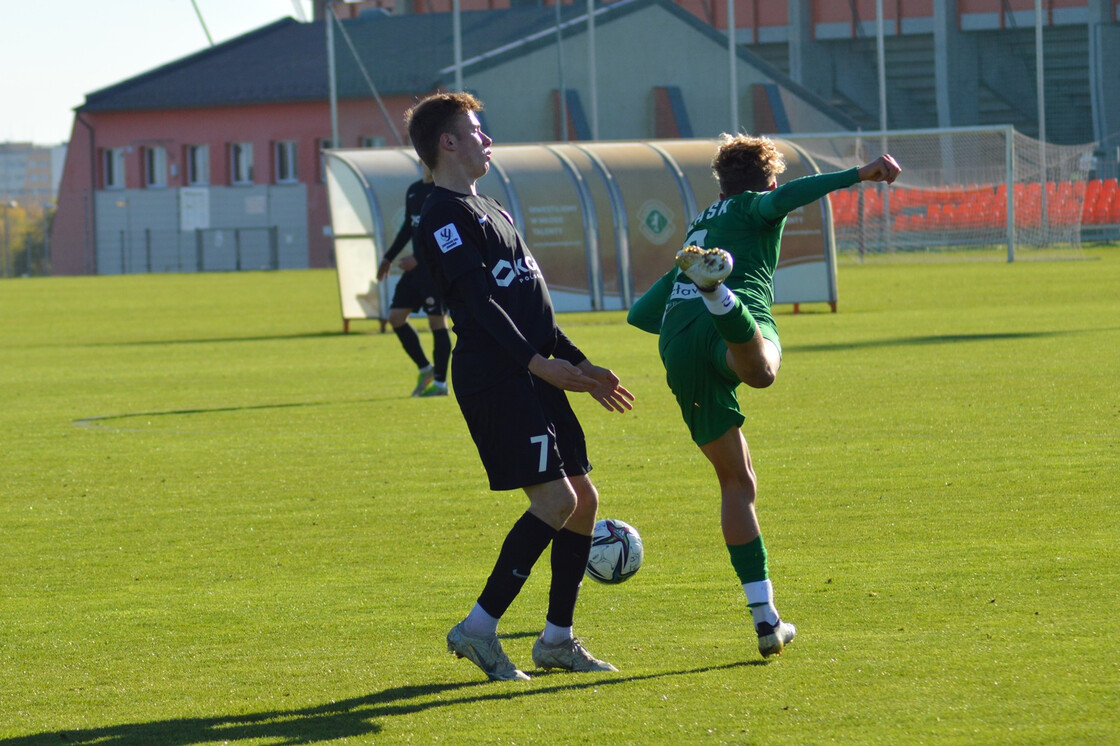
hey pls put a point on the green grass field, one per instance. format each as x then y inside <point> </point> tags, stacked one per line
<point>223,521</point>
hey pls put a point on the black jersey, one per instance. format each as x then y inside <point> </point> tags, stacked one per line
<point>496,294</point>
<point>418,191</point>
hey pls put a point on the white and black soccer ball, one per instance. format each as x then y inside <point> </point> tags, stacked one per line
<point>616,552</point>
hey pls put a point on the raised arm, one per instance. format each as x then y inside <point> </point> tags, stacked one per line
<point>785,199</point>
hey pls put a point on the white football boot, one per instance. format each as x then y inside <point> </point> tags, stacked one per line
<point>570,655</point>
<point>484,652</point>
<point>772,638</point>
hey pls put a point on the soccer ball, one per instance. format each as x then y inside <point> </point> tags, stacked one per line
<point>616,552</point>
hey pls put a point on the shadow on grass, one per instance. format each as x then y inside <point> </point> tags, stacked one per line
<point>360,716</point>
<point>97,421</point>
<point>937,339</point>
<point>218,340</point>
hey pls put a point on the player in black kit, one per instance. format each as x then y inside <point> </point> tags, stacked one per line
<point>415,291</point>
<point>510,369</point>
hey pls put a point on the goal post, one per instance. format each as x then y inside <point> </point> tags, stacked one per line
<point>962,189</point>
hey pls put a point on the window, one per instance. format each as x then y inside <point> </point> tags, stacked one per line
<point>198,165</point>
<point>285,157</point>
<point>371,142</point>
<point>155,167</point>
<point>113,167</point>
<point>241,163</point>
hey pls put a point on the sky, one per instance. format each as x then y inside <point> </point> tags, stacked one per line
<point>54,52</point>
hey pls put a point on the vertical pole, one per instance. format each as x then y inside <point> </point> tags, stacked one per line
<point>1009,156</point>
<point>332,76</point>
<point>560,67</point>
<point>881,55</point>
<point>733,69</point>
<point>457,42</point>
<point>592,68</point>
<point>1040,83</point>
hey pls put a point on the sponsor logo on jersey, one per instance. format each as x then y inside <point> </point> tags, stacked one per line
<point>447,238</point>
<point>684,291</point>
<point>505,272</point>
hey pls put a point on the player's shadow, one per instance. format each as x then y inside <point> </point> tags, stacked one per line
<point>936,339</point>
<point>359,716</point>
<point>216,340</point>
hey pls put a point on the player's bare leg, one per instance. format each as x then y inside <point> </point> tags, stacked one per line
<point>731,458</point>
<point>755,362</point>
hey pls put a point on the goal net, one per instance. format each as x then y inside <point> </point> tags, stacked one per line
<point>983,191</point>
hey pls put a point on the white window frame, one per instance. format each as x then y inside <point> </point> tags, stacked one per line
<point>198,165</point>
<point>284,155</point>
<point>241,163</point>
<point>112,164</point>
<point>155,166</point>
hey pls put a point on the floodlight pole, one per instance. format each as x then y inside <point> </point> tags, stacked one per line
<point>457,41</point>
<point>881,54</point>
<point>1040,84</point>
<point>560,67</point>
<point>591,66</point>
<point>332,76</point>
<point>732,68</point>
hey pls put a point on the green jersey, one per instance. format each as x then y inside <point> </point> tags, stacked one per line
<point>749,227</point>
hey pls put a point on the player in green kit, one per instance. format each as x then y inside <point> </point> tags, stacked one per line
<point>712,315</point>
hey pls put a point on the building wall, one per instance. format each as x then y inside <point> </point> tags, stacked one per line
<point>85,203</point>
<point>28,174</point>
<point>520,106</point>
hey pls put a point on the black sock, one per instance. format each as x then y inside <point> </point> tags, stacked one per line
<point>410,341</point>
<point>441,352</point>
<point>523,546</point>
<point>569,559</point>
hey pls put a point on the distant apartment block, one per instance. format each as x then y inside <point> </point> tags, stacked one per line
<point>30,174</point>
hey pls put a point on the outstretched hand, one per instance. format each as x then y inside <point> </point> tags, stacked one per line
<point>561,374</point>
<point>601,383</point>
<point>884,168</point>
<point>613,396</point>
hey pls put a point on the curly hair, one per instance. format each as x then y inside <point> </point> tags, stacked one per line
<point>745,163</point>
<point>429,119</point>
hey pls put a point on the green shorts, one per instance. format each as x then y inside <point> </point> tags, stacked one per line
<point>697,372</point>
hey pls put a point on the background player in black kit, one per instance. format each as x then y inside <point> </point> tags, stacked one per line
<point>511,366</point>
<point>414,291</point>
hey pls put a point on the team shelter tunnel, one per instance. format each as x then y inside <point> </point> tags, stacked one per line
<point>602,219</point>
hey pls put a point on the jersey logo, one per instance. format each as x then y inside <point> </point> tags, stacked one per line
<point>684,291</point>
<point>447,238</point>
<point>505,273</point>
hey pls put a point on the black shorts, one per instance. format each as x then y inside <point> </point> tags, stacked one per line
<point>416,290</point>
<point>526,433</point>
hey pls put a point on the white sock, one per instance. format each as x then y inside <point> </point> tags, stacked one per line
<point>760,599</point>
<point>718,301</point>
<point>480,624</point>
<point>554,635</point>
